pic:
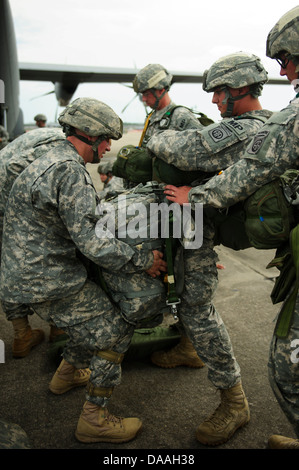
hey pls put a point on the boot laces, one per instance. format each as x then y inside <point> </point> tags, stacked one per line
<point>220,417</point>
<point>82,372</point>
<point>115,420</point>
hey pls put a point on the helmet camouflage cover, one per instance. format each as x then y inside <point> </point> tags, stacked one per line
<point>92,117</point>
<point>153,76</point>
<point>40,117</point>
<point>235,71</point>
<point>284,36</point>
<point>105,167</point>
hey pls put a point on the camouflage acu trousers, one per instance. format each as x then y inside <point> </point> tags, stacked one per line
<point>96,341</point>
<point>201,321</point>
<point>284,371</point>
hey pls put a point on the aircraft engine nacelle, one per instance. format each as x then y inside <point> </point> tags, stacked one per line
<point>64,92</point>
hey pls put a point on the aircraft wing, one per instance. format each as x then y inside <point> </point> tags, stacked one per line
<point>85,74</point>
<point>82,74</point>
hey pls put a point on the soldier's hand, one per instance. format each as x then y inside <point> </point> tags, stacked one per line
<point>178,195</point>
<point>158,266</point>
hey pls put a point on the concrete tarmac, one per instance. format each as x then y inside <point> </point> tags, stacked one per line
<point>170,402</point>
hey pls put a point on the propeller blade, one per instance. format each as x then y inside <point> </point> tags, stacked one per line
<point>129,103</point>
<point>45,94</point>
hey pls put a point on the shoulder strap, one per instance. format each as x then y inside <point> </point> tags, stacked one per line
<point>144,129</point>
<point>256,117</point>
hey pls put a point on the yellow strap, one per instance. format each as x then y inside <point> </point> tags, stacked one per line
<point>144,129</point>
<point>111,356</point>
<point>99,391</point>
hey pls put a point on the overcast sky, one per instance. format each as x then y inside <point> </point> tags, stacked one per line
<point>186,35</point>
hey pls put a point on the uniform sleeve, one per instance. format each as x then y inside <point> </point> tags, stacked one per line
<point>273,150</point>
<point>76,206</point>
<point>211,149</point>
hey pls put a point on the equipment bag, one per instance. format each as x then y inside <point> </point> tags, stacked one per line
<point>134,164</point>
<point>270,213</point>
<point>140,297</point>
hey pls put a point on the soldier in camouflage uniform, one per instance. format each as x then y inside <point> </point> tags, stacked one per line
<point>49,232</point>
<point>40,120</point>
<point>4,137</point>
<point>153,82</point>
<point>13,160</point>
<point>236,82</point>
<point>274,150</point>
<point>112,184</point>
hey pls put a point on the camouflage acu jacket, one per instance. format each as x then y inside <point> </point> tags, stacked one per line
<point>212,148</point>
<point>49,216</point>
<point>272,151</point>
<point>17,155</point>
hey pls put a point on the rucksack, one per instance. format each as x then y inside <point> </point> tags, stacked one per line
<point>134,164</point>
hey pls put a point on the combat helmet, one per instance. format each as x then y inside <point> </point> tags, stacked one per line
<point>92,117</point>
<point>152,77</point>
<point>284,37</point>
<point>236,71</point>
<point>105,167</point>
<point>40,117</point>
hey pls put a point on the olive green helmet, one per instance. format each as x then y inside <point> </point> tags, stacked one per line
<point>153,76</point>
<point>284,36</point>
<point>235,71</point>
<point>92,117</point>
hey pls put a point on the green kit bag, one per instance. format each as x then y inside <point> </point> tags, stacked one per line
<point>133,164</point>
<point>270,213</point>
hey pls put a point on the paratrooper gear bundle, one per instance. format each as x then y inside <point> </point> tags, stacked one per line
<point>134,164</point>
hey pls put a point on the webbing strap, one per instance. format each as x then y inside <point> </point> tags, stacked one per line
<point>286,314</point>
<point>110,355</point>
<point>103,392</point>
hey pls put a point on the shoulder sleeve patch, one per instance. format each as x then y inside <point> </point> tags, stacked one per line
<point>219,133</point>
<point>257,142</point>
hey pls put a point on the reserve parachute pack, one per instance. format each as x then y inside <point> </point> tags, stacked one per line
<point>264,220</point>
<point>271,211</point>
<point>134,164</point>
<point>141,298</point>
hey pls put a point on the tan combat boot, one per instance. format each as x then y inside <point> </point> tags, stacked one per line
<point>281,442</point>
<point>25,338</point>
<point>97,425</point>
<point>67,377</point>
<point>55,333</point>
<point>183,354</point>
<point>231,414</point>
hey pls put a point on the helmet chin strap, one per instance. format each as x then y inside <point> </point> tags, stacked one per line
<point>153,91</point>
<point>94,145</point>
<point>230,101</point>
